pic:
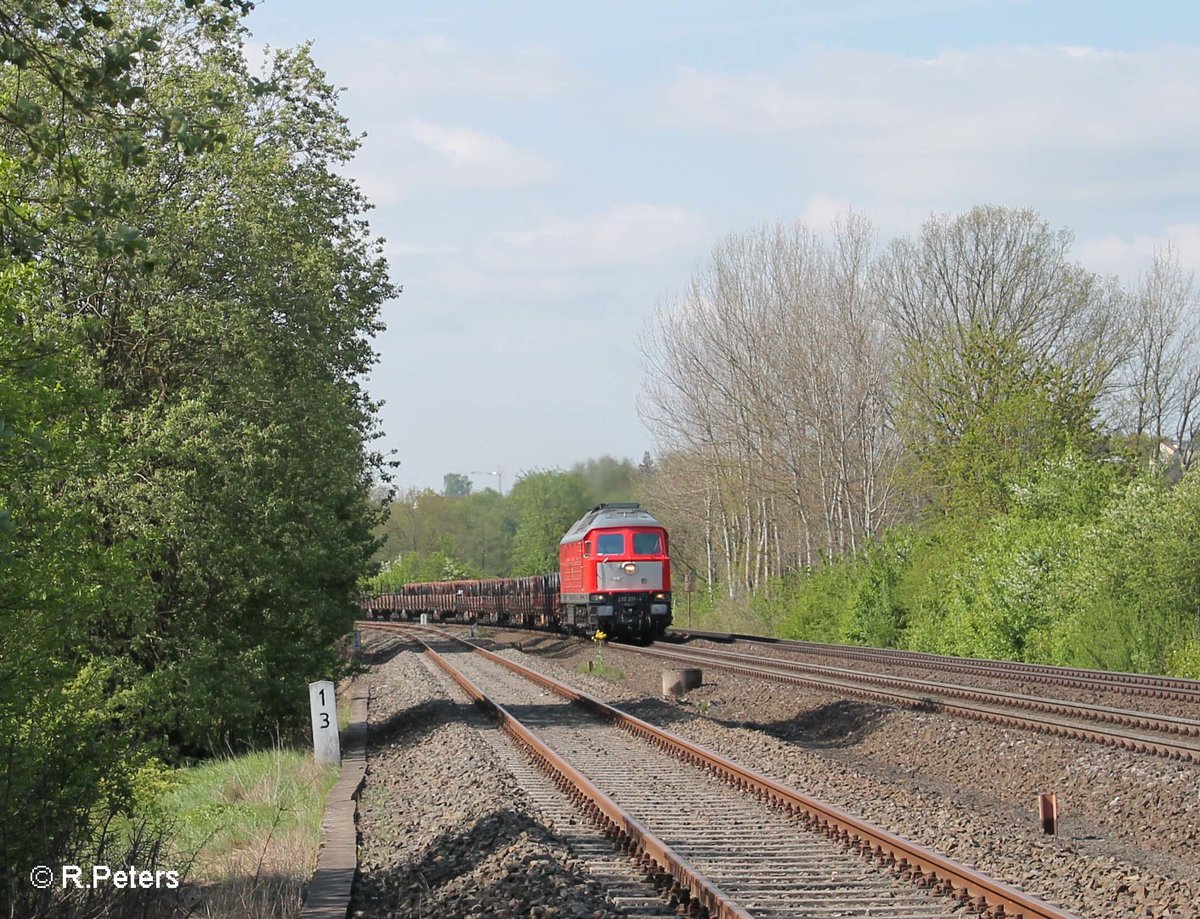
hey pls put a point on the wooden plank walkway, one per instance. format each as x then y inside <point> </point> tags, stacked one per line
<point>329,892</point>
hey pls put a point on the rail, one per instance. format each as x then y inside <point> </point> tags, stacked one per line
<point>923,865</point>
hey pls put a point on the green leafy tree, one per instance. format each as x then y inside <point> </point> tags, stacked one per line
<point>236,367</point>
<point>420,568</point>
<point>484,534</point>
<point>1004,345</point>
<point>185,435</point>
<point>545,504</point>
<point>456,485</point>
<point>862,600</point>
<point>606,479</point>
<point>1131,602</point>
<point>73,731</point>
<point>67,608</point>
<point>1001,412</point>
<point>478,526</point>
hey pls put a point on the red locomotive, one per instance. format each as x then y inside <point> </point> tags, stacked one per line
<point>616,573</point>
<point>615,578</point>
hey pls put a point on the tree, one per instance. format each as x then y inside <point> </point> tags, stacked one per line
<point>1160,395</point>
<point>770,380</point>
<point>242,349</point>
<point>70,68</point>
<point>75,720</point>
<point>545,504</point>
<point>187,290</point>
<point>478,527</point>
<point>1009,413</point>
<point>455,485</point>
<point>484,533</point>
<point>606,479</point>
<point>1006,346</point>
<point>70,712</point>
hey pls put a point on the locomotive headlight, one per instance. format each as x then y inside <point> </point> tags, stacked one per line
<point>629,567</point>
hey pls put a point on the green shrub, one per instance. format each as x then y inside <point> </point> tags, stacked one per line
<point>1184,659</point>
<point>1134,594</point>
<point>1004,592</point>
<point>853,601</point>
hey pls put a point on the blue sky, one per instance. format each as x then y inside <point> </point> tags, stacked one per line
<point>546,173</point>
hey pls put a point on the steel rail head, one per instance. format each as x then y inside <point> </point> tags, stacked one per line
<point>1177,688</point>
<point>1165,723</point>
<point>909,858</point>
<point>624,826</point>
<point>874,688</point>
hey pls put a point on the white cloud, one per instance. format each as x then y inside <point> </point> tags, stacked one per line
<point>473,158</point>
<point>618,260</point>
<point>625,234</point>
<point>434,66</point>
<point>255,54</point>
<point>482,159</point>
<point>1128,256</point>
<point>404,249</point>
<point>470,281</point>
<point>1017,123</point>
<point>415,156</point>
<point>823,212</point>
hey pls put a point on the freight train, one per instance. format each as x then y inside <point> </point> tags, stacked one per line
<point>614,577</point>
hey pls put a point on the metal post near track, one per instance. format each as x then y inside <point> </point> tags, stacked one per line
<point>1048,813</point>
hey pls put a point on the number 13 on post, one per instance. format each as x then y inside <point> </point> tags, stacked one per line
<point>326,745</point>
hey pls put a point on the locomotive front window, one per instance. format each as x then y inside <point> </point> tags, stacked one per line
<point>610,544</point>
<point>646,544</point>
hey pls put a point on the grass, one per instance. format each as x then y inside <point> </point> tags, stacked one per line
<point>250,826</point>
<point>601,669</point>
<point>344,700</point>
<point>724,614</point>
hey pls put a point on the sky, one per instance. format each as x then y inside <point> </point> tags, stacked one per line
<point>546,174</point>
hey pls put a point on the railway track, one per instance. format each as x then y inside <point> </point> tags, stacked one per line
<point>1142,732</point>
<point>721,837</point>
<point>626,885</point>
<point>1176,689</point>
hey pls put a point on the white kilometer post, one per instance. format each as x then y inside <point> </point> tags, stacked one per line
<point>327,747</point>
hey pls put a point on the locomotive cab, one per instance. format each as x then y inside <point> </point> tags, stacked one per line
<point>616,573</point>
